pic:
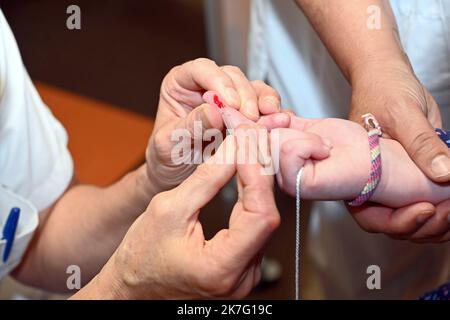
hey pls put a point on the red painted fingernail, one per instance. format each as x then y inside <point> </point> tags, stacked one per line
<point>217,101</point>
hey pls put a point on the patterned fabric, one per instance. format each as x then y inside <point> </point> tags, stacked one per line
<point>444,135</point>
<point>375,169</point>
<point>442,293</point>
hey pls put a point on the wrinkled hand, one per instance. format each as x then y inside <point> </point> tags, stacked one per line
<point>407,113</point>
<point>181,104</point>
<point>165,253</point>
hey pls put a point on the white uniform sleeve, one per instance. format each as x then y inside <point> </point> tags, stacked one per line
<point>34,160</point>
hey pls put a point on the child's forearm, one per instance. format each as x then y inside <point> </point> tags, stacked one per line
<point>402,182</point>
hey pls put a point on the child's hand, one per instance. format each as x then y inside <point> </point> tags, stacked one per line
<point>308,143</point>
<point>295,148</point>
<point>344,173</point>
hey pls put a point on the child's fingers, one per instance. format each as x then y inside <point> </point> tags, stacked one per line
<point>299,123</point>
<point>268,98</point>
<point>295,148</point>
<point>293,156</point>
<point>283,135</point>
<point>247,94</point>
<point>275,120</point>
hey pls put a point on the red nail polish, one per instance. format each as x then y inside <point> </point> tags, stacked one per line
<point>217,101</point>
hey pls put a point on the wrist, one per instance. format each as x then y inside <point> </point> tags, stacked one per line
<point>366,72</point>
<point>104,286</point>
<point>145,186</point>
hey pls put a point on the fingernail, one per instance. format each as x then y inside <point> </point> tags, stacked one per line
<point>232,97</point>
<point>424,217</point>
<point>441,166</point>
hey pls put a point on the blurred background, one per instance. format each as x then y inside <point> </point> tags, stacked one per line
<point>102,82</point>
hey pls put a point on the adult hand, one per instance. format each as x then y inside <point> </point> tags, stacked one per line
<point>383,83</point>
<point>407,113</point>
<point>165,253</point>
<point>181,104</point>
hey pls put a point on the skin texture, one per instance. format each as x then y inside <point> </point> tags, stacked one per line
<point>414,221</point>
<point>384,84</point>
<point>343,174</point>
<point>165,253</point>
<point>87,223</point>
<point>182,104</point>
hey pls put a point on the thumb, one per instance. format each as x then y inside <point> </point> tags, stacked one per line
<point>424,146</point>
<point>254,217</point>
<point>205,182</point>
<point>205,115</point>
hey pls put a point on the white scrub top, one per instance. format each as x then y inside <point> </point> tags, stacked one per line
<point>285,51</point>
<point>34,160</point>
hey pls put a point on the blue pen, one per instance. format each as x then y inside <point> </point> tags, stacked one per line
<point>9,231</point>
<point>444,135</point>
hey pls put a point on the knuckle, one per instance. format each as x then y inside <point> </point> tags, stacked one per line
<point>366,226</point>
<point>287,149</point>
<point>172,71</point>
<point>271,221</point>
<point>392,115</point>
<point>204,172</point>
<point>161,204</point>
<point>172,89</point>
<point>159,142</point>
<point>214,283</point>
<point>259,83</point>
<point>202,61</point>
<point>233,70</point>
<point>422,144</point>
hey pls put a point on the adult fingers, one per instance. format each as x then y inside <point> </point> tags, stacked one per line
<point>380,219</point>
<point>254,217</point>
<point>436,226</point>
<point>269,100</point>
<point>203,117</point>
<point>419,139</point>
<point>248,99</point>
<point>231,116</point>
<point>204,74</point>
<point>236,118</point>
<point>204,183</point>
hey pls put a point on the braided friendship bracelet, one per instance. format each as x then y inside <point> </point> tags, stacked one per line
<point>375,168</point>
